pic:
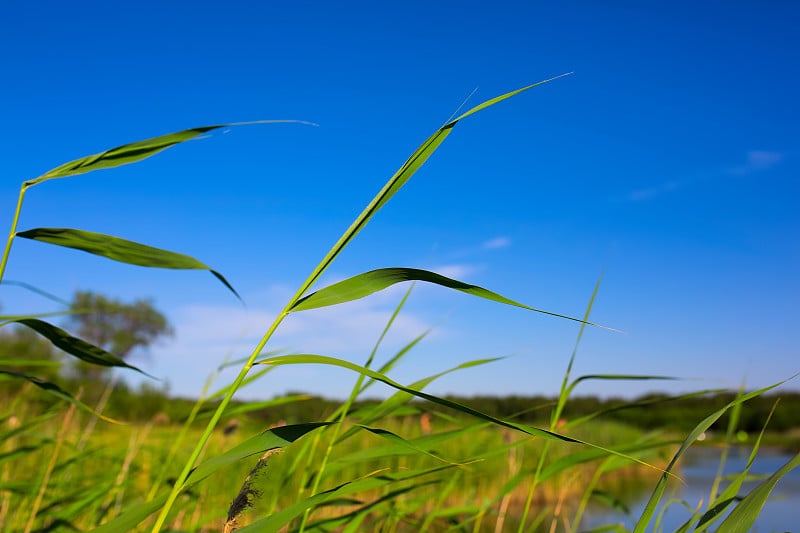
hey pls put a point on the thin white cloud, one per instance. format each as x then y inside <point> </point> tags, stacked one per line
<point>496,243</point>
<point>454,271</point>
<point>208,335</point>
<point>756,161</point>
<point>651,192</point>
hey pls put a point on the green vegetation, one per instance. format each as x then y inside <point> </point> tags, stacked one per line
<point>410,462</point>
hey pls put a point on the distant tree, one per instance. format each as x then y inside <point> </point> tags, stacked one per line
<point>115,326</point>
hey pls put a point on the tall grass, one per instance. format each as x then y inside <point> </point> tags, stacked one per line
<point>364,468</point>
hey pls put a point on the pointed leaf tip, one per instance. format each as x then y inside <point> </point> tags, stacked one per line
<point>121,250</point>
<point>363,285</point>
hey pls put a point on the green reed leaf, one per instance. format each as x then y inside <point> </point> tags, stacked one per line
<point>132,516</point>
<point>296,359</point>
<point>256,406</point>
<point>374,281</point>
<point>58,392</point>
<point>121,250</point>
<point>744,515</point>
<point>74,346</point>
<point>137,151</point>
<point>270,439</point>
<point>122,155</point>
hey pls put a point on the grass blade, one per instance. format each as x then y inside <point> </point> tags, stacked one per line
<point>136,151</point>
<point>58,392</point>
<point>374,281</point>
<point>296,359</point>
<point>268,440</point>
<point>118,249</point>
<point>74,346</point>
<point>744,515</point>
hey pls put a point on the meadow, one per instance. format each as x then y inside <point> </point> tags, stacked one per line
<point>391,465</point>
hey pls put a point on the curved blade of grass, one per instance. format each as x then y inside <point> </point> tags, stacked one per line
<point>655,497</point>
<point>255,406</point>
<point>136,151</point>
<point>25,426</point>
<point>74,346</point>
<point>388,406</point>
<point>36,290</point>
<point>409,445</point>
<point>298,359</point>
<point>720,503</point>
<point>270,439</point>
<point>121,250</point>
<point>374,281</point>
<point>640,403</point>
<point>332,524</point>
<point>23,450</point>
<point>584,456</point>
<point>58,392</point>
<point>744,515</point>
<point>10,319</point>
<point>29,362</point>
<point>424,442</point>
<point>132,517</point>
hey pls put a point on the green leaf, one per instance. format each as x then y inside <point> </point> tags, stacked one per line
<point>58,392</point>
<point>74,346</point>
<point>121,250</point>
<point>373,281</point>
<point>296,359</point>
<point>270,439</point>
<point>255,406</point>
<point>744,515</point>
<point>136,151</point>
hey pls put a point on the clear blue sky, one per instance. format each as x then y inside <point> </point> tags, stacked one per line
<point>667,161</point>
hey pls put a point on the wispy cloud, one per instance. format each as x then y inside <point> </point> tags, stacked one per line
<point>455,271</point>
<point>651,192</point>
<point>755,161</point>
<point>496,243</point>
<point>207,335</point>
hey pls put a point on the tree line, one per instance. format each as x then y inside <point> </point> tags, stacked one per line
<point>123,328</point>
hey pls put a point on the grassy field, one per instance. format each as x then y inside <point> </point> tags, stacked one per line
<point>463,473</point>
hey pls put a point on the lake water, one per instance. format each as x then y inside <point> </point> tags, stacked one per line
<point>780,514</point>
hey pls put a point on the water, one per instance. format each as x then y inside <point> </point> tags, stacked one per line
<point>698,469</point>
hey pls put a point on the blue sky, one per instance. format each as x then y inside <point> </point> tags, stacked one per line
<point>668,161</point>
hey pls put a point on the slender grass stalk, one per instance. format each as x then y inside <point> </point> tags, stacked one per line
<point>345,409</point>
<point>12,232</point>
<point>563,396</point>
<point>394,184</point>
<point>62,435</point>
<point>733,423</point>
<point>178,441</point>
